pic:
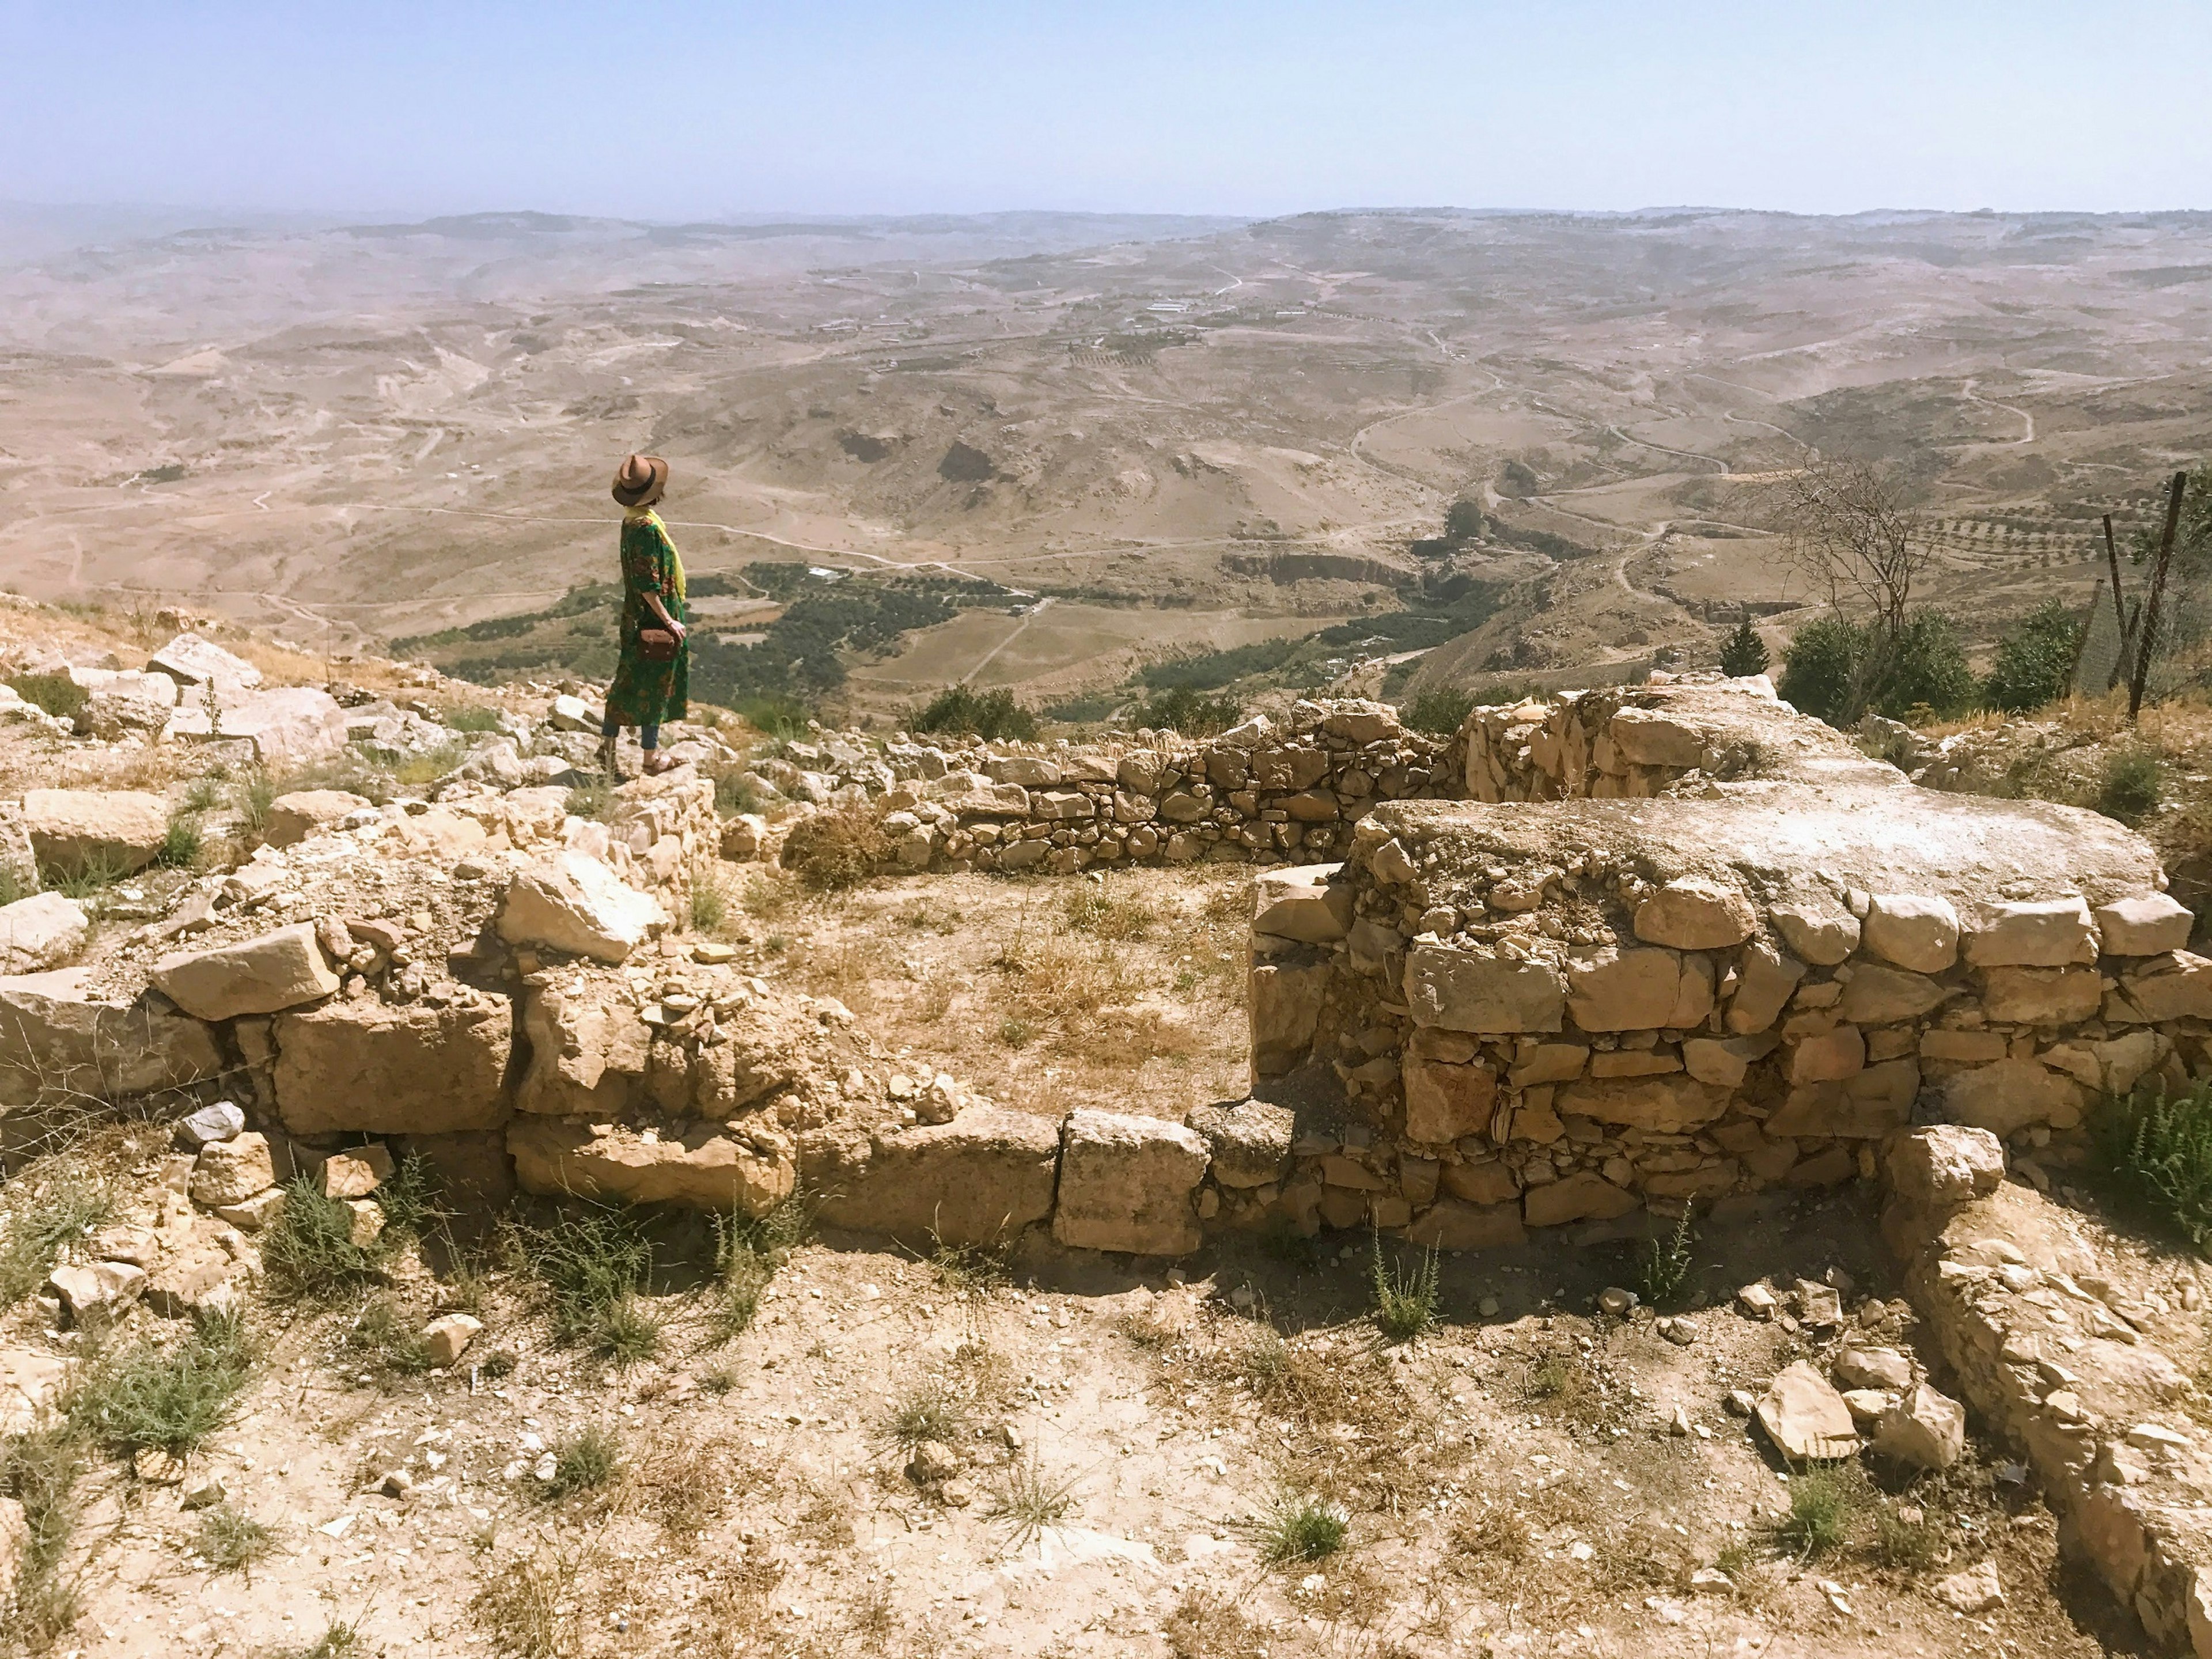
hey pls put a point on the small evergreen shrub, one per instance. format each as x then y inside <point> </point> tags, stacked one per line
<point>1743,653</point>
<point>961,710</point>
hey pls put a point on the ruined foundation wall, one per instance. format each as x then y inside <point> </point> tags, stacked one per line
<point>1716,951</point>
<point>1269,790</point>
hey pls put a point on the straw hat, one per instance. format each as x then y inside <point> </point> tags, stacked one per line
<point>640,480</point>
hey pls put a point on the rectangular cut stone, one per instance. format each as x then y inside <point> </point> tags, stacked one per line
<point>1467,991</point>
<point>2176,986</point>
<point>2048,934</point>
<point>1452,1225</point>
<point>1862,1108</point>
<point>1974,1048</point>
<point>1444,1102</point>
<point>1302,903</point>
<point>977,1180</point>
<point>378,1069</point>
<point>2148,925</point>
<point>1639,989</point>
<point>1126,1183</point>
<point>262,975</point>
<point>2042,996</point>
<point>1662,1105</point>
<point>1549,1062</point>
<point>1283,1007</point>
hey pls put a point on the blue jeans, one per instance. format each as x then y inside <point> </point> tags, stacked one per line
<point>649,737</point>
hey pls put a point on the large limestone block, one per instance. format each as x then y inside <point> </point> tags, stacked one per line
<point>1126,1184</point>
<point>30,1382</point>
<point>575,904</point>
<point>293,817</point>
<point>1451,1225</point>
<point>1828,1056</point>
<point>1645,737</point>
<point>264,976</point>
<point>1805,1417</point>
<point>79,829</point>
<point>1638,989</point>
<point>1916,931</point>
<point>1945,1166</point>
<point>58,1047</point>
<point>1693,913</point>
<point>2045,933</point>
<point>2177,986</point>
<point>1765,981</point>
<point>977,1180</point>
<point>1881,996</point>
<point>1250,1141</point>
<point>1465,990</point>
<point>1283,1007</point>
<point>2011,1095</point>
<point>1723,1062</point>
<point>1816,928</point>
<point>416,1069</point>
<point>1670,1104</point>
<point>193,662</point>
<point>2042,996</point>
<point>589,1052</point>
<point>1585,1195</point>
<point>1302,903</point>
<point>1863,1107</point>
<point>128,701</point>
<point>1483,1185</point>
<point>41,932</point>
<point>2148,925</point>
<point>289,727</point>
<point>1445,1100</point>
<point>1926,1429</point>
<point>700,1166</point>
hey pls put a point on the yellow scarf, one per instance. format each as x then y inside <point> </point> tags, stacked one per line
<point>647,515</point>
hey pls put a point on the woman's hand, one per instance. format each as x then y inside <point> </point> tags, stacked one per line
<point>677,628</point>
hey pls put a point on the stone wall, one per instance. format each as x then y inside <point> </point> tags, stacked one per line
<point>1263,792</point>
<point>1697,947</point>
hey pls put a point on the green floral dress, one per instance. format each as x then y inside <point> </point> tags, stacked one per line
<point>647,693</point>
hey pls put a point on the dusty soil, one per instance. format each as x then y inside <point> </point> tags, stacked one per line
<point>1125,992</point>
<point>1509,1480</point>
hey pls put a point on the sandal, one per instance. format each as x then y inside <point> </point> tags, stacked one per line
<point>656,764</point>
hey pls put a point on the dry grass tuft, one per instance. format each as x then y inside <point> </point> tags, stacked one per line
<point>837,849</point>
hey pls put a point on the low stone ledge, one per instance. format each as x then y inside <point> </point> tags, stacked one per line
<point>2063,1362</point>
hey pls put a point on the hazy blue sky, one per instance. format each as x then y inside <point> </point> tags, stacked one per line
<point>669,109</point>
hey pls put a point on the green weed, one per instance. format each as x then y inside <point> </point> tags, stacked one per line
<point>308,1253</point>
<point>2158,1151</point>
<point>1405,1303</point>
<point>468,719</point>
<point>1299,1527</point>
<point>587,1460</point>
<point>1026,1500</point>
<point>46,1214</point>
<point>230,1541</point>
<point>1665,1268</point>
<point>591,1264</point>
<point>168,1398</point>
<point>1823,1501</point>
<point>2131,786</point>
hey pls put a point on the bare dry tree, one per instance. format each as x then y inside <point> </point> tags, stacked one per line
<point>1854,530</point>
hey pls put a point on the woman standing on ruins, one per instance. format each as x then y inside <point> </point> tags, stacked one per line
<point>653,677</point>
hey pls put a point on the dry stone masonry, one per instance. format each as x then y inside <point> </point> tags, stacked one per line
<point>1263,792</point>
<point>1691,945</point>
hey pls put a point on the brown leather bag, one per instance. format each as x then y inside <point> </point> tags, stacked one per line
<point>657,645</point>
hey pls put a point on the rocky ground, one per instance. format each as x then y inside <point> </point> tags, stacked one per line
<point>359,1414</point>
<point>1059,1454</point>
